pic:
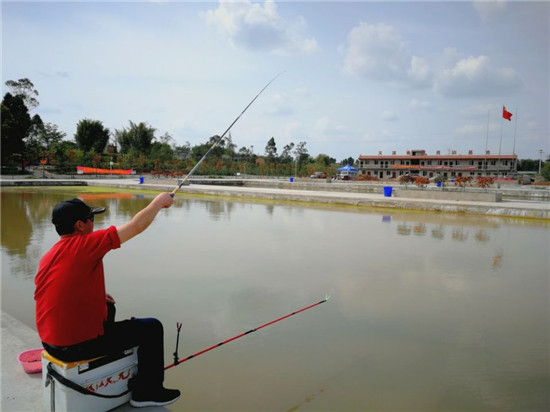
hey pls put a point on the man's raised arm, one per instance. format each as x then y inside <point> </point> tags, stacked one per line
<point>144,217</point>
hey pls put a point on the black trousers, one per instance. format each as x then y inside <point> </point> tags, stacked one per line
<point>146,333</point>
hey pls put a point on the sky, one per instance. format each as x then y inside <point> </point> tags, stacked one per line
<point>357,78</point>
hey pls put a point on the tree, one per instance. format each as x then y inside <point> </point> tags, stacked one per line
<point>545,171</point>
<point>91,135</point>
<point>161,152</point>
<point>462,181</point>
<point>325,160</point>
<point>182,152</point>
<point>484,182</point>
<point>49,135</point>
<point>25,89</point>
<point>231,147</point>
<point>301,154</point>
<point>42,138</point>
<point>168,139</point>
<point>137,138</point>
<point>349,161</point>
<point>528,165</point>
<point>245,152</point>
<point>64,155</point>
<point>16,124</point>
<point>421,182</point>
<point>271,150</point>
<point>220,148</point>
<point>406,179</point>
<point>285,155</point>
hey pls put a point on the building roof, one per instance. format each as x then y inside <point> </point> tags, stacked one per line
<point>437,157</point>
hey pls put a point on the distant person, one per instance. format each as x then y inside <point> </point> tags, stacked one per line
<point>75,315</point>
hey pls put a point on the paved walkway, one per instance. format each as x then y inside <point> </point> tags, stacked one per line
<point>22,392</point>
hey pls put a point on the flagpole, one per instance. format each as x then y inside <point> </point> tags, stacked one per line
<point>487,139</point>
<point>500,144</point>
<point>501,128</point>
<point>515,130</point>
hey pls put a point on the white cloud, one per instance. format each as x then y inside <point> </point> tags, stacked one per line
<point>260,27</point>
<point>420,72</point>
<point>376,52</point>
<point>476,76</point>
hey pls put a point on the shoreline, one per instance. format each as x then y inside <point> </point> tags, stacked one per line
<point>332,194</point>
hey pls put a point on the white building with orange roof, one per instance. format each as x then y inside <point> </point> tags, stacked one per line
<point>448,165</point>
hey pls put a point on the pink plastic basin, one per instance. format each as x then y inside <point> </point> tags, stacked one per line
<point>31,360</point>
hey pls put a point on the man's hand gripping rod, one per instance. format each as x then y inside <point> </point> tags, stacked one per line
<point>186,178</point>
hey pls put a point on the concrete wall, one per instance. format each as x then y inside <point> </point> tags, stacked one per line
<point>441,195</point>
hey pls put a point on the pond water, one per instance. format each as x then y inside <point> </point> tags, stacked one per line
<point>427,311</point>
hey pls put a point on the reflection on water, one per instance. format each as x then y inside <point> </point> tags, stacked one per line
<point>437,231</point>
<point>428,311</point>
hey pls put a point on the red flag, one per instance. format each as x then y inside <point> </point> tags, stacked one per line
<point>506,114</point>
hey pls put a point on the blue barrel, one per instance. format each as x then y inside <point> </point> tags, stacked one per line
<point>141,179</point>
<point>291,179</point>
<point>387,191</point>
<point>438,184</point>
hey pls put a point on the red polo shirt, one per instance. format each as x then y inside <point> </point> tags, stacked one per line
<point>70,288</point>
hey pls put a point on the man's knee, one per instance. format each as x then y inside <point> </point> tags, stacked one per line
<point>151,325</point>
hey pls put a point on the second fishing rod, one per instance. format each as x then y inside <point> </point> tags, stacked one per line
<point>217,142</point>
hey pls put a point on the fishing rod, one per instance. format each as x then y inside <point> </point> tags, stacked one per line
<point>186,178</point>
<point>240,335</point>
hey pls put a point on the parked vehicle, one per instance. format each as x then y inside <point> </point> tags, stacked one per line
<point>319,175</point>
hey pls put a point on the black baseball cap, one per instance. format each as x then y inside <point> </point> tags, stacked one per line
<point>66,213</point>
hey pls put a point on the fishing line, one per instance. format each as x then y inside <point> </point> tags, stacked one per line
<point>186,178</point>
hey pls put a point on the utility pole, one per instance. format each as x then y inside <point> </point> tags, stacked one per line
<point>540,159</point>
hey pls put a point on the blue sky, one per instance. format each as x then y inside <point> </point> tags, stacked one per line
<point>359,77</point>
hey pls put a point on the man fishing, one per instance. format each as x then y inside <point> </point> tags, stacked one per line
<point>75,315</point>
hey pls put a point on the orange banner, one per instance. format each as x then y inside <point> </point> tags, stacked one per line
<point>83,170</point>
